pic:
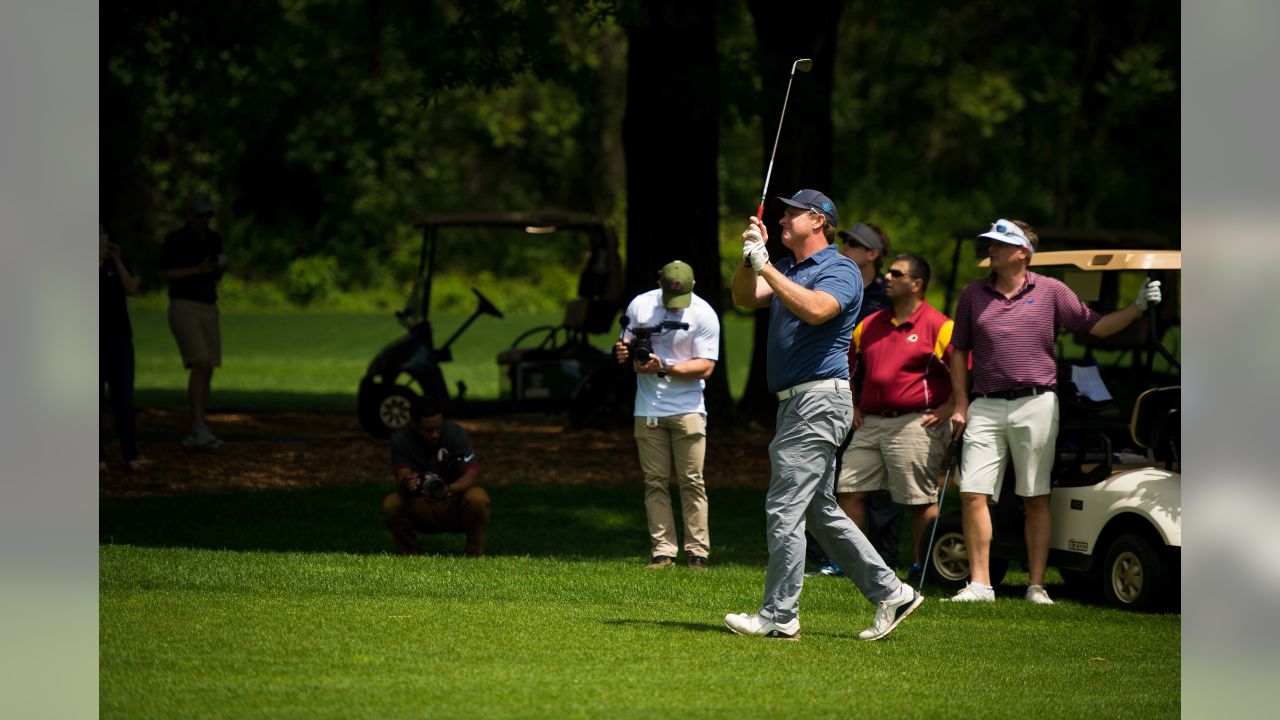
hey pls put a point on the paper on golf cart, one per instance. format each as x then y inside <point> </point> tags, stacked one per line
<point>1089,382</point>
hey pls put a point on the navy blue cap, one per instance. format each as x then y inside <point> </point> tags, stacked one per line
<point>815,201</point>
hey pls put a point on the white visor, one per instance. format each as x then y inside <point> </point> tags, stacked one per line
<point>1006,232</point>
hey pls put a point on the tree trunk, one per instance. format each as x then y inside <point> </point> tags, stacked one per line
<point>804,157</point>
<point>671,140</point>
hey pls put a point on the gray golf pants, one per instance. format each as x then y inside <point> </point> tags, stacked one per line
<point>811,426</point>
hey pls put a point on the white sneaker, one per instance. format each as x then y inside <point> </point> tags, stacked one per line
<point>744,624</point>
<point>891,612</point>
<point>973,593</point>
<point>204,438</point>
<point>1038,595</point>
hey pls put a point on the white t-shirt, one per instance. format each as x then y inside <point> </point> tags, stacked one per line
<point>667,396</point>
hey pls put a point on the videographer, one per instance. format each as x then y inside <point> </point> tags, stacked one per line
<point>672,338</point>
<point>436,492</point>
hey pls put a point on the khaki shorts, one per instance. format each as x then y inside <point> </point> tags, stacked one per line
<point>898,454</point>
<point>1024,430</point>
<point>195,327</point>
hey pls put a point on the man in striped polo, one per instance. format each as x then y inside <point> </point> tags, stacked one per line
<point>902,391</point>
<point>1009,322</point>
<point>813,297</point>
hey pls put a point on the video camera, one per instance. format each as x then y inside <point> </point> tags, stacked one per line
<point>641,345</point>
<point>426,484</point>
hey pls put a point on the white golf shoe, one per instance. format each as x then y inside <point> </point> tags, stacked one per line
<point>973,593</point>
<point>1038,595</point>
<point>744,624</point>
<point>891,612</point>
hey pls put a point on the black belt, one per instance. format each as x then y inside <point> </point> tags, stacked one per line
<point>1017,393</point>
<point>896,413</point>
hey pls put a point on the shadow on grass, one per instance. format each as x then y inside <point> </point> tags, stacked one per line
<point>717,628</point>
<point>536,520</point>
<point>231,400</point>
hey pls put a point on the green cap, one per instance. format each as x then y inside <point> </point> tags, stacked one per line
<point>676,279</point>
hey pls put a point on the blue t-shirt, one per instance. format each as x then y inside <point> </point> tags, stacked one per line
<point>799,352</point>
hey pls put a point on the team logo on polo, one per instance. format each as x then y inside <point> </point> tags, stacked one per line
<point>913,337</point>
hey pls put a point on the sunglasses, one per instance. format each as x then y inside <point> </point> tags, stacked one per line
<point>1007,229</point>
<point>895,273</point>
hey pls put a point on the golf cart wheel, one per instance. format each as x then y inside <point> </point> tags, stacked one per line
<point>383,409</point>
<point>949,557</point>
<point>1134,573</point>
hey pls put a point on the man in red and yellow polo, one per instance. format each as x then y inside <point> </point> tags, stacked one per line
<point>902,403</point>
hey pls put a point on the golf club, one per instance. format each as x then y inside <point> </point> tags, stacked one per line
<point>928,550</point>
<point>803,65</point>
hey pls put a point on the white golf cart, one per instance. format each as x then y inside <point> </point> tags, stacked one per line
<point>1116,503</point>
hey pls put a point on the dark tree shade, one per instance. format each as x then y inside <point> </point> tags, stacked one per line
<point>670,136</point>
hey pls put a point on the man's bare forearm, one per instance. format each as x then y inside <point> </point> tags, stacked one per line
<point>812,306</point>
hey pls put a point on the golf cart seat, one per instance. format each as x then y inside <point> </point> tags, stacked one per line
<point>1157,423</point>
<point>1089,464</point>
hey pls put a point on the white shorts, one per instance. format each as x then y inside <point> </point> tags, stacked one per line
<point>1025,430</point>
<point>898,454</point>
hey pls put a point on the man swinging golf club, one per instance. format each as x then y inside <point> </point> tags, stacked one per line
<point>813,297</point>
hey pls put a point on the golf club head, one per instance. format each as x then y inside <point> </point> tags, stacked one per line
<point>803,65</point>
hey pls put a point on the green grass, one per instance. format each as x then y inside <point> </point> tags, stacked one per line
<point>314,361</point>
<point>287,604</point>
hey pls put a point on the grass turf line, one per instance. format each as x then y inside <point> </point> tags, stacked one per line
<point>314,361</point>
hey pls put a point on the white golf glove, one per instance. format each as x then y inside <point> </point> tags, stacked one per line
<point>1149,294</point>
<point>755,255</point>
<point>750,237</point>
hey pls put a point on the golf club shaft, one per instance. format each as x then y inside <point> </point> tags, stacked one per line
<point>928,550</point>
<point>769,173</point>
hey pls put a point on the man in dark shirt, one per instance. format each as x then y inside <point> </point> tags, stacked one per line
<point>436,492</point>
<point>115,347</point>
<point>192,261</point>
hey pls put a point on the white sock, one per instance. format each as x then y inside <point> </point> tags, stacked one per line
<point>980,586</point>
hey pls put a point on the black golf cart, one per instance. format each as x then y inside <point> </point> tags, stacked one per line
<point>1116,503</point>
<point>545,367</point>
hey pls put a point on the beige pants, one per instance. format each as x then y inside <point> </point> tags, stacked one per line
<point>1024,431</point>
<point>195,327</point>
<point>675,445</point>
<point>898,454</point>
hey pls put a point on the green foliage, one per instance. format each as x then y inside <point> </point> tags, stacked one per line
<point>309,279</point>
<point>288,604</point>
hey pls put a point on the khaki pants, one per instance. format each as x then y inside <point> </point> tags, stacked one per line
<point>675,446</point>
<point>195,327</point>
<point>467,512</point>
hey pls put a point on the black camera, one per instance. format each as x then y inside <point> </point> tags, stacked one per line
<point>640,348</point>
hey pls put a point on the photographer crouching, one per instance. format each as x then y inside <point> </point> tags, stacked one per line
<point>436,492</point>
<point>672,338</point>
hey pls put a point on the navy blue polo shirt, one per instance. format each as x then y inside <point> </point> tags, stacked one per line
<point>799,352</point>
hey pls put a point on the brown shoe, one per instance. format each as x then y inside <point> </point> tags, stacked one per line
<point>697,562</point>
<point>661,562</point>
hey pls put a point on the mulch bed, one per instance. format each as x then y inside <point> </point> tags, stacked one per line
<point>274,450</point>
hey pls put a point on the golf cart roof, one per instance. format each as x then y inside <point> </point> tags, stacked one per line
<point>542,221</point>
<point>1096,260</point>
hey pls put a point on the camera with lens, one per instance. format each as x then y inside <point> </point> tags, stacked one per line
<point>426,484</point>
<point>640,347</point>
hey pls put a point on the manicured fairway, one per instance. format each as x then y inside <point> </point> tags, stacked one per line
<point>285,604</point>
